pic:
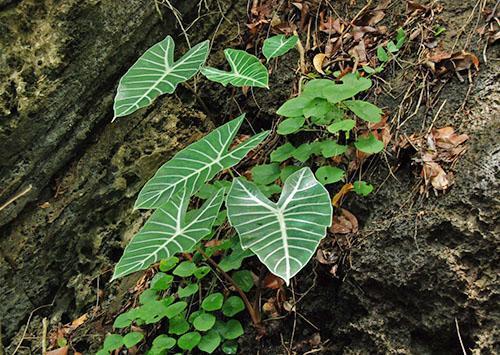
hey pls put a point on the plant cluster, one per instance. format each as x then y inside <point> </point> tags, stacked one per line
<point>207,324</point>
<point>284,235</point>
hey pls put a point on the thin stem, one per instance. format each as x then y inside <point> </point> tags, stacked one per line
<point>251,310</point>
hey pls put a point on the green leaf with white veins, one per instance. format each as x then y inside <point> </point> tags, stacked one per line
<point>246,70</point>
<point>155,73</point>
<point>278,45</point>
<point>284,235</point>
<point>167,233</point>
<point>193,166</point>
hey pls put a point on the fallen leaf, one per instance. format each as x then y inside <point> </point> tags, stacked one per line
<point>340,195</point>
<point>446,137</point>
<point>434,174</point>
<point>318,62</point>
<point>273,282</point>
<point>344,223</point>
<point>60,351</point>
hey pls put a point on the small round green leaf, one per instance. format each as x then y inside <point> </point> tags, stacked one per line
<point>329,174</point>
<point>230,347</point>
<point>178,325</point>
<point>168,264</point>
<point>369,145</point>
<point>204,322</point>
<point>123,320</point>
<point>113,342</point>
<point>365,110</point>
<point>163,342</point>
<point>161,281</point>
<point>266,173</point>
<point>213,302</point>
<point>132,339</point>
<point>233,305</point>
<point>282,153</point>
<point>362,188</point>
<point>188,290</point>
<point>344,125</point>
<point>291,125</point>
<point>189,340</point>
<point>331,149</point>
<point>185,269</point>
<point>243,279</point>
<point>194,315</point>
<point>148,295</point>
<point>175,309</point>
<point>293,107</point>
<point>201,272</point>
<point>209,342</point>
<point>232,329</point>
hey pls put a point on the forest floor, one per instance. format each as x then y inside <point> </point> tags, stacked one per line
<point>410,269</point>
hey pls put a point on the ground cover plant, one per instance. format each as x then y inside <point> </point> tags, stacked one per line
<point>283,235</point>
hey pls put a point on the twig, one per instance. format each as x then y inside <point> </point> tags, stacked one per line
<point>28,324</point>
<point>460,337</point>
<point>45,325</point>
<point>251,310</point>
<point>21,194</point>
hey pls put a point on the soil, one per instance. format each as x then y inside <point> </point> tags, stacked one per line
<point>420,277</point>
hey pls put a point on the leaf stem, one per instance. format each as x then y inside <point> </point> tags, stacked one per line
<point>251,310</point>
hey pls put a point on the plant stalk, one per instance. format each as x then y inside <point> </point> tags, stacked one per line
<point>251,310</point>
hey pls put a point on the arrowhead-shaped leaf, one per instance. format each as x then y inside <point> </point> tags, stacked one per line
<point>284,235</point>
<point>193,166</point>
<point>167,232</point>
<point>278,45</point>
<point>246,70</point>
<point>155,73</point>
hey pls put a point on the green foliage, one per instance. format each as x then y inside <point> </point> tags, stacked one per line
<point>291,125</point>
<point>243,279</point>
<point>161,281</point>
<point>362,188</point>
<point>210,341</point>
<point>278,45</point>
<point>132,339</point>
<point>189,340</point>
<point>232,306</point>
<point>187,291</point>
<point>213,302</point>
<point>369,144</point>
<point>155,73</point>
<point>185,269</point>
<point>204,322</point>
<point>265,174</point>
<point>232,329</point>
<point>329,174</point>
<point>246,70</point>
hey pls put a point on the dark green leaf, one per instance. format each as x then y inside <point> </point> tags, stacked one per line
<point>189,340</point>
<point>209,342</point>
<point>331,149</point>
<point>265,174</point>
<point>212,302</point>
<point>148,296</point>
<point>113,342</point>
<point>303,152</point>
<point>204,322</point>
<point>123,320</point>
<point>185,269</point>
<point>293,107</point>
<point>168,263</point>
<point>329,174</point>
<point>291,125</point>
<point>400,38</point>
<point>369,145</point>
<point>382,54</point>
<point>232,329</point>
<point>351,85</point>
<point>175,308</point>
<point>282,153</point>
<point>344,125</point>
<point>362,188</point>
<point>201,272</point>
<point>365,110</point>
<point>230,347</point>
<point>318,107</point>
<point>163,342</point>
<point>233,260</point>
<point>269,190</point>
<point>243,279</point>
<point>161,281</point>
<point>233,305</point>
<point>132,339</point>
<point>178,325</point>
<point>188,290</point>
